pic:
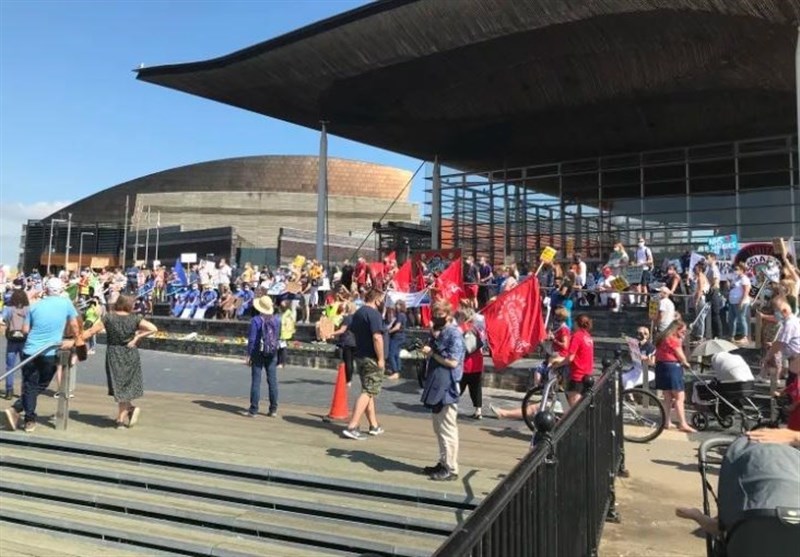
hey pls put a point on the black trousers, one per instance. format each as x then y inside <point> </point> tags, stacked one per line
<point>473,381</point>
<point>716,313</point>
<point>348,354</point>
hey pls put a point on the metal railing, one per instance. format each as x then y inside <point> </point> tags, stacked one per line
<point>64,357</point>
<point>556,500</point>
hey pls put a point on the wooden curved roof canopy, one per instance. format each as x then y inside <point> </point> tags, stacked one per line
<point>493,83</point>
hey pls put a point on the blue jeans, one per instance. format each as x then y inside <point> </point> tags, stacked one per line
<point>394,354</point>
<point>270,363</point>
<point>740,319</point>
<point>36,377</point>
<point>13,357</point>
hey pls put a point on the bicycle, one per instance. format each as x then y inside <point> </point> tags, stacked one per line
<point>643,414</point>
<point>547,391</point>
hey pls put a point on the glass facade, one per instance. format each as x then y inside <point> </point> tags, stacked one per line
<point>675,198</point>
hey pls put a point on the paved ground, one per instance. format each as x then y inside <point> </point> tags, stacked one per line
<point>193,404</point>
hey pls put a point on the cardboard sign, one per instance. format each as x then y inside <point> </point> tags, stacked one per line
<point>547,255</point>
<point>99,262</point>
<point>652,310</point>
<point>633,274</point>
<point>326,328</point>
<point>779,247</point>
<point>293,288</point>
<point>620,284</point>
<point>188,258</point>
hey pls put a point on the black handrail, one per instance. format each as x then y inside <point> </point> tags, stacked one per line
<point>555,500</point>
<point>28,359</point>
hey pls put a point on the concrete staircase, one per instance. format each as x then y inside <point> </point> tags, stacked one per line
<point>151,503</point>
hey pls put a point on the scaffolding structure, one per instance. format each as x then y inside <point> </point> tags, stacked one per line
<point>675,198</point>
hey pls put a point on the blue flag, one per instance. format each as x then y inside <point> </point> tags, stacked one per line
<point>180,272</point>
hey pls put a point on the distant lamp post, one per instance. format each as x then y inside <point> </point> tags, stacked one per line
<point>80,252</point>
<point>50,245</point>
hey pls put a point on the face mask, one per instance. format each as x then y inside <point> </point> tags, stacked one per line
<point>439,322</point>
<point>641,244</point>
<point>641,336</point>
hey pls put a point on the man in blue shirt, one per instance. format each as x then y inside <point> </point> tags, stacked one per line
<point>440,393</point>
<point>45,326</point>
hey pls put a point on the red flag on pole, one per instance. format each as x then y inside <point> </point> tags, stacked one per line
<point>376,272</point>
<point>514,324</point>
<point>450,284</point>
<point>402,279</point>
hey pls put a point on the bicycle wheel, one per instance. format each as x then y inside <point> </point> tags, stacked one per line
<point>533,396</point>
<point>643,416</point>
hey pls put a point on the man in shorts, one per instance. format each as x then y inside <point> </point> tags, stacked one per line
<point>367,326</point>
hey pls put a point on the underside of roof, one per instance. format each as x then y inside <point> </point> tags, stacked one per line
<point>493,83</point>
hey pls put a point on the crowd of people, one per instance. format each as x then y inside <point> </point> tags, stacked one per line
<point>370,328</point>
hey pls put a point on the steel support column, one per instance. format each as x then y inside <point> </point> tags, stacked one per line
<point>322,194</point>
<point>436,205</point>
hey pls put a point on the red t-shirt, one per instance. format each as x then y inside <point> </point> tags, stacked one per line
<point>667,349</point>
<point>582,346</point>
<point>561,337</point>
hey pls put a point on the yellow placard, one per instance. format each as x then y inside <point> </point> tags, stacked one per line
<point>620,284</point>
<point>652,309</point>
<point>548,254</point>
<point>298,262</point>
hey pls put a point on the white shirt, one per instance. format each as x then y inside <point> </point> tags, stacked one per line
<point>667,310</point>
<point>737,291</point>
<point>224,275</point>
<point>641,257</point>
<point>713,274</point>
<point>789,336</point>
<point>582,273</point>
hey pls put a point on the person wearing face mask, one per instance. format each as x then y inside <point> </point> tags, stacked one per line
<point>445,353</point>
<point>635,376</point>
<point>644,259</point>
<point>609,297</point>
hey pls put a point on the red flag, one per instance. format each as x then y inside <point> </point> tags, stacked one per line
<point>450,284</point>
<point>402,279</point>
<point>376,272</point>
<point>514,324</point>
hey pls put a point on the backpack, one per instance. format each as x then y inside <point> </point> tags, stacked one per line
<point>15,323</point>
<point>270,335</point>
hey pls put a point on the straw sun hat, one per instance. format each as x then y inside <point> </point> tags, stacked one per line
<point>263,304</point>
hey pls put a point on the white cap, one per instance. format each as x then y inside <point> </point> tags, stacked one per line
<point>54,286</point>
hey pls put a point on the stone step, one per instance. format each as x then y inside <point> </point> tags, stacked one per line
<point>272,507</point>
<point>374,510</point>
<point>144,532</point>
<point>26,541</point>
<point>341,533</point>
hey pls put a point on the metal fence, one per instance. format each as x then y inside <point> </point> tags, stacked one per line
<point>556,500</point>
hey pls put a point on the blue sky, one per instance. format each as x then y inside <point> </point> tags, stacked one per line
<point>74,120</point>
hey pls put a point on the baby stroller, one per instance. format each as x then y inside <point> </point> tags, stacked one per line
<point>759,498</point>
<point>727,395</point>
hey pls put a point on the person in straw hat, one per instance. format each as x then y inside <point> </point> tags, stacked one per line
<point>263,341</point>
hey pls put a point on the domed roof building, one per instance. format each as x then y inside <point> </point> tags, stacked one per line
<point>241,202</point>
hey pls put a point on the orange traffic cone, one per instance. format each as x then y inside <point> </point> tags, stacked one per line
<point>339,407</point>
